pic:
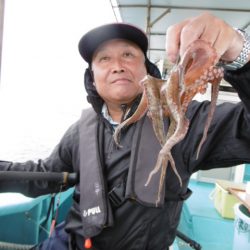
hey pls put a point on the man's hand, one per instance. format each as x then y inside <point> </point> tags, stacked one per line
<point>224,38</point>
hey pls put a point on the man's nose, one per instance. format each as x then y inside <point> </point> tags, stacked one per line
<point>118,66</point>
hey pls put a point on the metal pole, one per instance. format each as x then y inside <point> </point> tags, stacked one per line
<point>2,2</point>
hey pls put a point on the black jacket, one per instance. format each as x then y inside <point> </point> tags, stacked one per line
<point>136,224</point>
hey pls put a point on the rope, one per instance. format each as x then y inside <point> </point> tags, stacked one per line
<point>14,246</point>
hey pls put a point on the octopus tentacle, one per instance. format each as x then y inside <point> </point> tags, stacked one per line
<point>163,174</point>
<point>139,113</point>
<point>152,87</point>
<point>177,121</point>
<point>214,96</point>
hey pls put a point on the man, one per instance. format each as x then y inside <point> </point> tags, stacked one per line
<point>112,208</point>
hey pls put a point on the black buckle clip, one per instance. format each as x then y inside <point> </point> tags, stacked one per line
<point>117,195</point>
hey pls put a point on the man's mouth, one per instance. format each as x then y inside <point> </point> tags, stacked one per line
<point>121,81</point>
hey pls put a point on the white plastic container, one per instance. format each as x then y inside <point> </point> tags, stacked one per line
<point>241,228</point>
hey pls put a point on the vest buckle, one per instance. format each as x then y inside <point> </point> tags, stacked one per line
<point>117,195</point>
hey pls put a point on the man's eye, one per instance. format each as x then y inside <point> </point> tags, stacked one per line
<point>128,54</point>
<point>104,58</point>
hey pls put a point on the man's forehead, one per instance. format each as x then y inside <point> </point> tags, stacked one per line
<point>116,42</point>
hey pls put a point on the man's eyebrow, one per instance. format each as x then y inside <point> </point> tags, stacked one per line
<point>125,45</point>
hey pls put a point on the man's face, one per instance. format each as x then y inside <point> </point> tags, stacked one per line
<point>118,66</point>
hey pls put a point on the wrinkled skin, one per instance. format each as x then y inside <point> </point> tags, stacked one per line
<point>171,98</point>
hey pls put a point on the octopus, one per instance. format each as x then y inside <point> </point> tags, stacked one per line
<point>170,98</point>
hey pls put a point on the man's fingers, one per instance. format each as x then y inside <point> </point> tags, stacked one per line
<point>189,34</point>
<point>229,44</point>
<point>207,27</point>
<point>173,41</point>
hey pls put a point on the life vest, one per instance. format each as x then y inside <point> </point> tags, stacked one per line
<point>94,202</point>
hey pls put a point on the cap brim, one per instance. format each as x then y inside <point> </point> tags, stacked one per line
<point>94,38</point>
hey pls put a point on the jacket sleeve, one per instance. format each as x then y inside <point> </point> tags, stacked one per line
<point>228,139</point>
<point>63,159</point>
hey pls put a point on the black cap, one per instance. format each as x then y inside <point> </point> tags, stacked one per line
<point>95,37</point>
